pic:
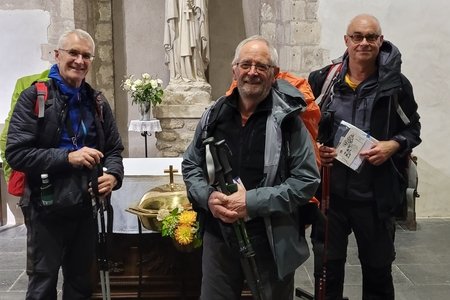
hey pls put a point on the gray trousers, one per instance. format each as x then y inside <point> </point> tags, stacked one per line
<point>224,275</point>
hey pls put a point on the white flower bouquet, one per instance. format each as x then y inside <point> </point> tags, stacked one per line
<point>144,90</point>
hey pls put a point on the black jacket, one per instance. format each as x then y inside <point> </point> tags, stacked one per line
<point>33,144</point>
<point>388,181</point>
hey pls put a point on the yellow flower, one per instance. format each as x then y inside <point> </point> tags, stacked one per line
<point>187,217</point>
<point>184,234</point>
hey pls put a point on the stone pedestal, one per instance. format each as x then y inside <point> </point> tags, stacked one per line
<point>182,106</point>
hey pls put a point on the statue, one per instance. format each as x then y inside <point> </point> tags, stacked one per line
<point>186,40</point>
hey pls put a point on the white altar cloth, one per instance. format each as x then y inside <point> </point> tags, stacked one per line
<point>141,175</point>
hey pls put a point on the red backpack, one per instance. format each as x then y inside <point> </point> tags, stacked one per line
<point>16,182</point>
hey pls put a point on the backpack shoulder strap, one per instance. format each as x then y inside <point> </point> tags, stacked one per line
<point>42,94</point>
<point>208,124</point>
<point>99,102</point>
<point>400,111</point>
<point>208,120</point>
<point>333,73</point>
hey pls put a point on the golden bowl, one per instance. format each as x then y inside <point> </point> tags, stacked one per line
<point>154,200</point>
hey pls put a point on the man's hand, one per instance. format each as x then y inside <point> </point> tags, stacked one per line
<point>216,204</point>
<point>106,183</point>
<point>85,157</point>
<point>327,155</point>
<point>381,152</point>
<point>237,202</point>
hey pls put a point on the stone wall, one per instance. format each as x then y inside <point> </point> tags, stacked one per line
<point>293,27</point>
<point>183,105</point>
<point>94,16</point>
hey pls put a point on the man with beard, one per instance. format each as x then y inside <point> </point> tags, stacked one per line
<point>272,155</point>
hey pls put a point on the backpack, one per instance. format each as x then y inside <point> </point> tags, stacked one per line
<point>410,173</point>
<point>16,182</point>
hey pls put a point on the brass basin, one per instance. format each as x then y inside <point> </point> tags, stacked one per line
<point>160,197</point>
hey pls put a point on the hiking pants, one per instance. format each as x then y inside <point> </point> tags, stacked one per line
<point>59,242</point>
<point>375,241</point>
<point>223,275</point>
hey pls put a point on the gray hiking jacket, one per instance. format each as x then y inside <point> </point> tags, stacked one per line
<point>288,151</point>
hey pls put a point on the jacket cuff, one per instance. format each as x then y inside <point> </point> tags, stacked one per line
<point>402,141</point>
<point>251,203</point>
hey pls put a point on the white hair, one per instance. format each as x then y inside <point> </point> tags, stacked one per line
<point>272,51</point>
<point>79,33</point>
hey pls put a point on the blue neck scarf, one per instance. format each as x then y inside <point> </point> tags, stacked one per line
<point>79,112</point>
<point>67,90</point>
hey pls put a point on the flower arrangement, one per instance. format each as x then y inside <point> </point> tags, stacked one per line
<point>181,225</point>
<point>144,90</point>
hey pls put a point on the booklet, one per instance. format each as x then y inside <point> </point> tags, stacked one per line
<point>351,141</point>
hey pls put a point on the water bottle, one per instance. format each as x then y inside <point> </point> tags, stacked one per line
<point>46,191</point>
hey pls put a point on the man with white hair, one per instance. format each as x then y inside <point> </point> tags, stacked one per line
<point>76,133</point>
<point>272,154</point>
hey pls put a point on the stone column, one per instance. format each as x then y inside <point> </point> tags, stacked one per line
<point>179,113</point>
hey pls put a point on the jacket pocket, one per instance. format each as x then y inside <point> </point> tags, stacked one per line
<point>70,194</point>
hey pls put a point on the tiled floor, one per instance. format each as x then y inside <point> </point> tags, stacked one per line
<point>421,270</point>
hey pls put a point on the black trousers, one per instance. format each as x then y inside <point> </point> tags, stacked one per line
<point>376,252</point>
<point>223,275</point>
<point>54,242</point>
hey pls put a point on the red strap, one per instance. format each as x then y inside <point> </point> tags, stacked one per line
<point>16,183</point>
<point>42,90</point>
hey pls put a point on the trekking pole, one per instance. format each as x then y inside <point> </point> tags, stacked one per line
<point>324,208</point>
<point>220,155</point>
<point>326,138</point>
<point>246,247</point>
<point>102,259</point>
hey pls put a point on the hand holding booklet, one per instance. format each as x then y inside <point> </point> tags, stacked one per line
<point>351,141</point>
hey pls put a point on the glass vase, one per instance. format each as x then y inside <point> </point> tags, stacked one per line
<point>145,111</point>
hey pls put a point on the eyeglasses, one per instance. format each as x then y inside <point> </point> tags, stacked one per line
<point>358,38</point>
<point>75,54</point>
<point>246,66</point>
